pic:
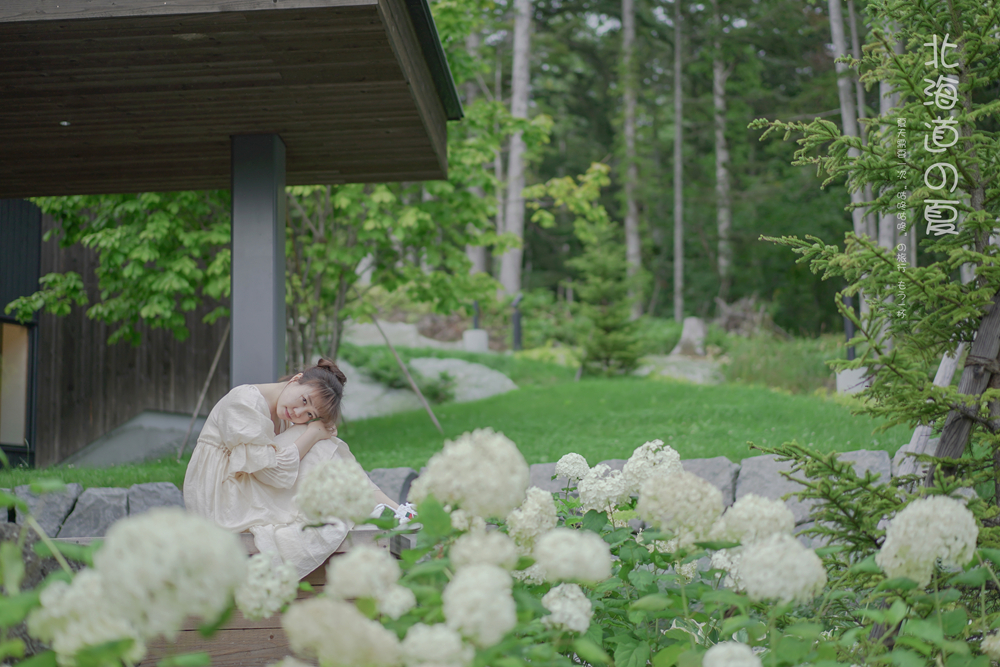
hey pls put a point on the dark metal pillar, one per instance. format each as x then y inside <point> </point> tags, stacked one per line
<point>257,346</point>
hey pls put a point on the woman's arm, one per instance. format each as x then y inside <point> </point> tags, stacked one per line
<point>315,431</point>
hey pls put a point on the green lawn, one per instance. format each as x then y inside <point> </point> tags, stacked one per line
<point>605,419</point>
<point>598,418</point>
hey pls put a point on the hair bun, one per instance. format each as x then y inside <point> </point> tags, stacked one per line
<point>332,367</point>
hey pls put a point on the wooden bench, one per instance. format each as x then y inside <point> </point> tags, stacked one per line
<point>242,642</point>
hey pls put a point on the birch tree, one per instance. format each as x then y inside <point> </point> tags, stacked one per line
<point>633,247</point>
<point>678,171</point>
<point>724,215</point>
<point>510,261</point>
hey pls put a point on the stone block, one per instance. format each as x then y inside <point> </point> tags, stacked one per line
<point>761,475</point>
<point>905,464</point>
<point>476,340</point>
<point>96,509</point>
<point>394,482</point>
<point>144,497</point>
<point>540,475</point>
<point>49,509</point>
<point>719,471</point>
<point>865,460</point>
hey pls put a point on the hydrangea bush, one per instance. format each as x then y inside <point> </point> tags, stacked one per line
<point>547,579</point>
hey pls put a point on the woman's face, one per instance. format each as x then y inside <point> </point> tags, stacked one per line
<point>295,403</point>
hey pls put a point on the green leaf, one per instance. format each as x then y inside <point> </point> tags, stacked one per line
<point>77,552</point>
<point>435,521</point>
<point>306,587</point>
<point>209,629</point>
<point>47,485</point>
<point>524,562</point>
<point>46,659</point>
<point>199,659</point>
<point>906,658</point>
<point>868,566</point>
<point>992,555</point>
<point>9,500</point>
<point>733,625</point>
<point>591,652</point>
<point>595,521</point>
<point>102,655</point>
<point>632,654</point>
<point>829,551</point>
<point>716,545</point>
<point>976,577</point>
<point>15,608</point>
<point>668,656</point>
<point>642,579</point>
<point>804,630</point>
<point>897,584</point>
<point>691,658</point>
<point>11,567</point>
<point>954,622</point>
<point>367,607</point>
<point>12,648</point>
<point>655,602</point>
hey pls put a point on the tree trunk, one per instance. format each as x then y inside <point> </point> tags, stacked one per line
<point>633,247</point>
<point>847,111</point>
<point>871,219</point>
<point>678,172</point>
<point>475,253</point>
<point>510,261</point>
<point>724,215</point>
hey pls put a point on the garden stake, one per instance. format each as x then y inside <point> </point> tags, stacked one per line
<point>406,372</point>
<point>204,390</point>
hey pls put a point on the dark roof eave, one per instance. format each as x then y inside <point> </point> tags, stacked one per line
<point>437,62</point>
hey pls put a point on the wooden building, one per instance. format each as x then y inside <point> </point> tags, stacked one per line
<point>112,96</point>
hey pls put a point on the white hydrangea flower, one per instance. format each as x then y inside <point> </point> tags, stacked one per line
<point>567,554</point>
<point>77,615</point>
<point>535,516</point>
<point>334,490</point>
<point>573,467</point>
<point>164,565</point>
<point>928,529</point>
<point>728,560</point>
<point>493,548</point>
<point>363,572</point>
<point>753,518</point>
<point>571,610</point>
<point>482,472</point>
<point>602,489</point>
<point>681,503</point>
<point>532,575</point>
<point>654,455</point>
<point>396,601</point>
<point>991,646</point>
<point>435,646</point>
<point>462,520</point>
<point>269,586</point>
<point>780,568</point>
<point>338,635</point>
<point>478,604</point>
<point>730,654</point>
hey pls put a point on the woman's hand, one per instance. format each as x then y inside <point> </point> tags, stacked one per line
<point>321,431</point>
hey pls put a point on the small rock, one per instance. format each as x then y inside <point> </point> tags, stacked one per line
<point>95,511</point>
<point>761,475</point>
<point>692,342</point>
<point>143,497</point>
<point>394,482</point>
<point>541,476</point>
<point>719,471</point>
<point>49,509</point>
<point>865,460</point>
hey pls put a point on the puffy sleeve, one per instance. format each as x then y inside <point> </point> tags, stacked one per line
<point>248,433</point>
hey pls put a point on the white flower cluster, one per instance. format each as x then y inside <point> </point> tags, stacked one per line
<point>333,490</point>
<point>435,646</point>
<point>482,472</point>
<point>565,554</point>
<point>924,531</point>
<point>535,516</point>
<point>730,654</point>
<point>462,520</point>
<point>602,489</point>
<point>269,586</point>
<point>573,467</point>
<point>154,570</point>
<point>478,604</point>
<point>369,572</point>
<point>682,503</point>
<point>338,635</point>
<point>753,518</point>
<point>780,568</point>
<point>533,575</point>
<point>728,560</point>
<point>493,548</point>
<point>73,617</point>
<point>654,455</point>
<point>289,661</point>
<point>571,610</point>
<point>991,646</point>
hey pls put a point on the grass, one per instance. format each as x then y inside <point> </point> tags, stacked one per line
<point>162,470</point>
<point>798,365</point>
<point>606,419</point>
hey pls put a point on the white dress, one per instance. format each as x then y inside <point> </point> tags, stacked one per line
<point>244,478</point>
